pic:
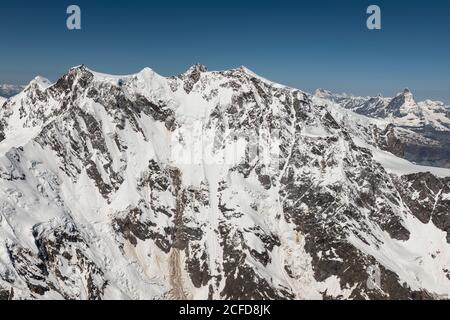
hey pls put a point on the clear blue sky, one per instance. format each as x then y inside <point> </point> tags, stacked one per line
<point>305,44</point>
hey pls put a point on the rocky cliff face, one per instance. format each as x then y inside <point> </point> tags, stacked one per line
<point>218,185</point>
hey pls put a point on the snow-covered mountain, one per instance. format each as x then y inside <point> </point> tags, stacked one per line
<point>219,185</point>
<point>402,110</point>
<point>9,90</point>
<point>423,128</point>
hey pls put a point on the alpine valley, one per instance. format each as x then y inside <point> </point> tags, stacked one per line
<point>120,187</point>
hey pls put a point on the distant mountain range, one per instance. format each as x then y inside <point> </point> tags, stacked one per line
<point>421,129</point>
<point>9,90</point>
<point>402,110</point>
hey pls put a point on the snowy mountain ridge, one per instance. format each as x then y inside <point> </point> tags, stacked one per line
<point>402,110</point>
<point>219,185</point>
<point>421,128</point>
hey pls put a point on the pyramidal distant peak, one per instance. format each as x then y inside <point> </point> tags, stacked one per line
<point>408,94</point>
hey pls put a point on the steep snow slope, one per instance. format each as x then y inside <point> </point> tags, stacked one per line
<point>217,185</point>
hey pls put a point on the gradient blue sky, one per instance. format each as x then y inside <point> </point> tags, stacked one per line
<point>304,44</point>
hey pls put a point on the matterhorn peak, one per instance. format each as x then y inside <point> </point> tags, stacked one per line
<point>407,94</point>
<point>401,102</point>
